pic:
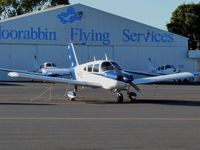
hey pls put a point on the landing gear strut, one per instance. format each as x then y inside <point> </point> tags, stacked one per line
<point>119,97</point>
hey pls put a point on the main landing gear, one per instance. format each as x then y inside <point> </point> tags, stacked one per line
<point>72,94</point>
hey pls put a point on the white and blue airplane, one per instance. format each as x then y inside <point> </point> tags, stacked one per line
<point>105,74</point>
<point>49,69</point>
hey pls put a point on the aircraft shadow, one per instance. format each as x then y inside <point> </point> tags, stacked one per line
<point>149,101</point>
<point>9,84</point>
<point>169,102</point>
<point>26,104</point>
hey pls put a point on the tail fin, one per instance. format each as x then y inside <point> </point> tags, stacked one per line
<point>36,64</point>
<point>150,66</point>
<point>72,55</point>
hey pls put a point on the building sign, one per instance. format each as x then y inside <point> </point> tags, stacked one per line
<point>90,36</point>
<point>69,16</point>
<point>83,34</point>
<point>148,36</point>
<point>93,35</point>
<point>32,33</point>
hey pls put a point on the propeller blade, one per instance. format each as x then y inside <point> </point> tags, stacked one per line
<point>135,87</point>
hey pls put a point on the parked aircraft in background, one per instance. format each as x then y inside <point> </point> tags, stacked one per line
<point>105,74</point>
<point>163,69</point>
<point>50,69</point>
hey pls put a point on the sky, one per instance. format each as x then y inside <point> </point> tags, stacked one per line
<point>155,13</point>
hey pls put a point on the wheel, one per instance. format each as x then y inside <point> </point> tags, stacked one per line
<point>71,95</point>
<point>185,81</point>
<point>119,97</point>
<point>132,96</point>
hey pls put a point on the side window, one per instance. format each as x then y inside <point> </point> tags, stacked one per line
<point>90,68</point>
<point>85,69</point>
<point>96,68</point>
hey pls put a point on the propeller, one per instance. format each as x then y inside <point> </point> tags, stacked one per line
<point>129,79</point>
<point>135,86</point>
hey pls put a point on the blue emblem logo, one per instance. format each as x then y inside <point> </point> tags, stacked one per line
<point>69,16</point>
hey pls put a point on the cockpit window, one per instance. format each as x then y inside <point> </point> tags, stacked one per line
<point>90,68</point>
<point>50,65</point>
<point>168,66</point>
<point>116,66</point>
<point>109,66</point>
<point>96,68</point>
<point>106,66</point>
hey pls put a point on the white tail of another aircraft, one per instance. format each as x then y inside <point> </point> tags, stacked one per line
<point>150,66</point>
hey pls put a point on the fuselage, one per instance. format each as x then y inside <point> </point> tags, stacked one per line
<point>166,69</point>
<point>50,69</point>
<point>104,72</point>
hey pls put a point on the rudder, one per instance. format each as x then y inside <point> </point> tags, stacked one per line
<point>72,55</point>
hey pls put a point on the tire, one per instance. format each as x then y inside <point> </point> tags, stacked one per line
<point>132,96</point>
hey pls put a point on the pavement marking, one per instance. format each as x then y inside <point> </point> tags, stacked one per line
<point>106,119</point>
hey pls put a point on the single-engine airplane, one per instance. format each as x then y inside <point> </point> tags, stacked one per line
<point>105,74</point>
<point>50,69</point>
<point>163,69</point>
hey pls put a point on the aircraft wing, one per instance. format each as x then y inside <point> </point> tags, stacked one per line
<point>141,73</point>
<point>22,71</point>
<point>52,79</point>
<point>160,78</point>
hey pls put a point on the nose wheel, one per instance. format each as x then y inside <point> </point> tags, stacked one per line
<point>132,96</point>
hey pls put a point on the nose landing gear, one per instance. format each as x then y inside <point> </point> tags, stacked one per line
<point>119,97</point>
<point>132,96</point>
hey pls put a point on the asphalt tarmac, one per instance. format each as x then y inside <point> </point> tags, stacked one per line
<point>33,118</point>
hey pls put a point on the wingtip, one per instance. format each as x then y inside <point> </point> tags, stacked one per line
<point>13,74</point>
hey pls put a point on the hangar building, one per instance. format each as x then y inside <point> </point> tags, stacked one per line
<point>45,35</point>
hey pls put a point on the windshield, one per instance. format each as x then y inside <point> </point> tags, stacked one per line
<point>110,66</point>
<point>116,66</point>
<point>50,65</point>
<point>169,66</point>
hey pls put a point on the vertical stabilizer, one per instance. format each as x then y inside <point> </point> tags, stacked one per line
<point>36,64</point>
<point>151,67</point>
<point>72,55</point>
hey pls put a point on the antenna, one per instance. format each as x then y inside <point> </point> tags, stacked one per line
<point>106,56</point>
<point>95,59</point>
